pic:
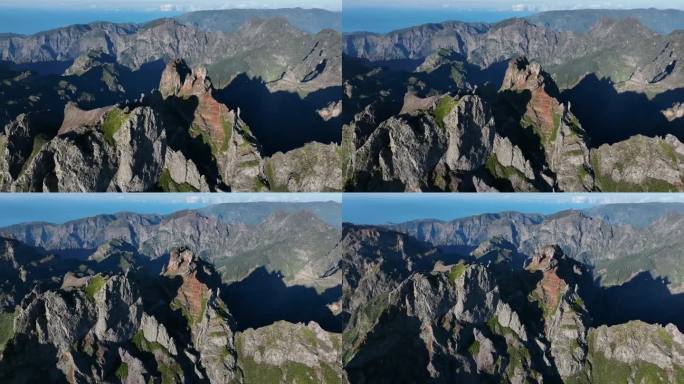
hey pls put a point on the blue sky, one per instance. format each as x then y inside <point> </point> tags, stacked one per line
<point>170,5</point>
<point>58,208</point>
<point>397,208</point>
<point>515,5</point>
<point>190,5</point>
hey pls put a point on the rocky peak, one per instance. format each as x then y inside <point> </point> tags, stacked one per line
<point>173,77</point>
<point>632,344</point>
<point>560,133</point>
<point>115,255</point>
<point>546,258</point>
<point>197,84</point>
<point>66,335</point>
<point>182,262</point>
<point>522,74</point>
<point>178,79</point>
<point>206,314</point>
<point>551,286</point>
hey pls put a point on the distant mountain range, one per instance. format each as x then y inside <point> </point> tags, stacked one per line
<point>236,238</point>
<point>229,20</point>
<point>617,241</point>
<point>663,21</point>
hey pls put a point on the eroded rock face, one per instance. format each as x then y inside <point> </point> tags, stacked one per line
<point>454,142</point>
<point>234,149</point>
<point>207,316</point>
<point>107,318</point>
<point>285,347</point>
<point>559,131</point>
<point>632,344</point>
<point>155,332</point>
<point>449,325</point>
<point>649,164</point>
<point>59,329</point>
<point>86,158</point>
<point>173,77</point>
<point>20,140</point>
<point>314,167</point>
<point>420,153</point>
<point>675,112</point>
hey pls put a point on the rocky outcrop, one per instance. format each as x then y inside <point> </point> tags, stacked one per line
<point>311,168</point>
<point>559,131</point>
<point>233,147</point>
<point>20,141</point>
<point>194,143</point>
<point>428,151</point>
<point>108,315</point>
<point>286,352</point>
<point>206,315</point>
<point>457,321</point>
<point>640,164</point>
<point>636,349</point>
<point>124,151</point>
<point>62,329</point>
<point>676,111</point>
<point>375,261</point>
<point>565,317</point>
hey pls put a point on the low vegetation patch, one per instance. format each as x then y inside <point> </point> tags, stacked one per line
<point>95,284</point>
<point>444,106</point>
<point>6,329</point>
<point>38,143</point>
<point>122,371</point>
<point>329,375</point>
<point>499,171</point>
<point>474,348</point>
<point>227,135</point>
<point>269,172</point>
<point>456,272</point>
<point>113,121</point>
<point>300,373</point>
<point>254,373</point>
<point>167,184</point>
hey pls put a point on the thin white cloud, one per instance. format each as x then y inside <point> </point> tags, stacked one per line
<point>171,5</point>
<point>516,5</point>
